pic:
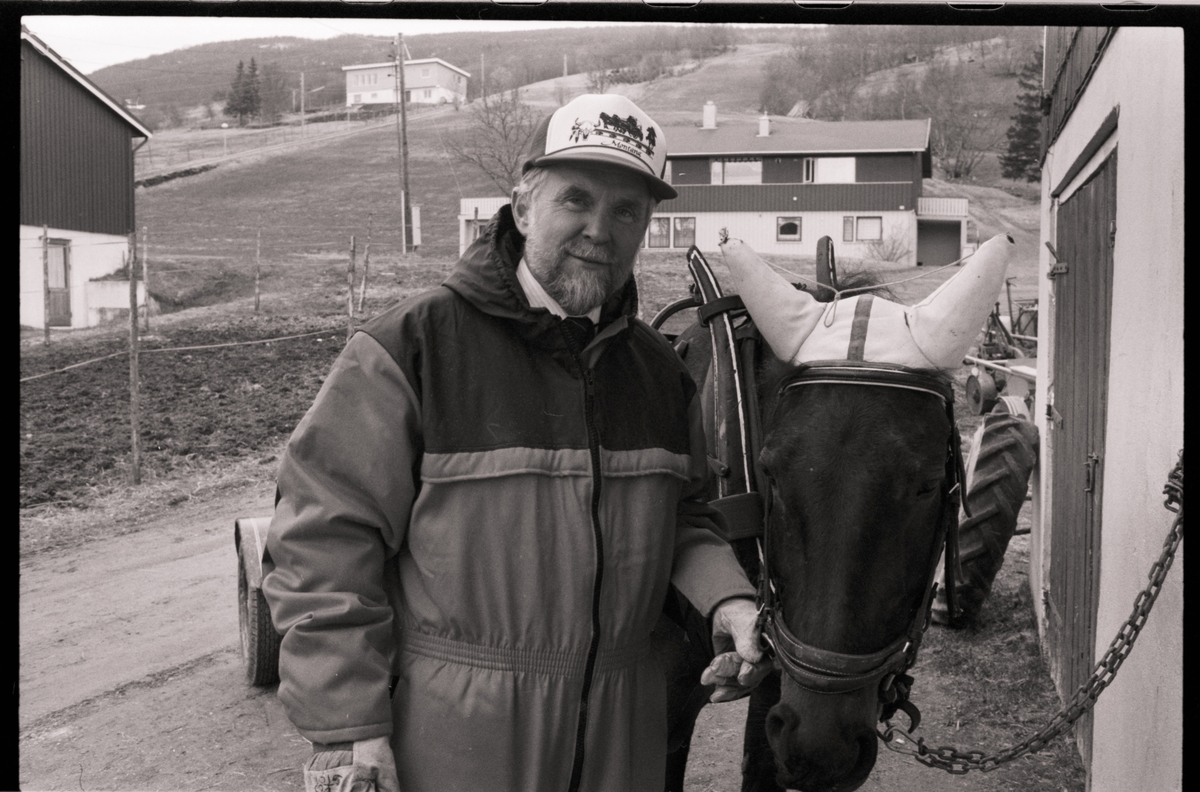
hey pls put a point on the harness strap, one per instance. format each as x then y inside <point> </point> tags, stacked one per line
<point>730,302</point>
<point>743,515</point>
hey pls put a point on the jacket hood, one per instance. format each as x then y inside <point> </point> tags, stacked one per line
<point>486,276</point>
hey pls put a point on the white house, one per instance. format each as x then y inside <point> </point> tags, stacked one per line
<point>1110,388</point>
<point>426,81</point>
<point>781,184</point>
<point>77,193</point>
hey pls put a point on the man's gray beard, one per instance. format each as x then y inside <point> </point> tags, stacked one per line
<point>577,289</point>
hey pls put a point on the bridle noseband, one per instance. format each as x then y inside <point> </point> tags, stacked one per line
<point>825,671</point>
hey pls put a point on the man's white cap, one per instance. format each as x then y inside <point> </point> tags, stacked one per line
<point>607,129</point>
<point>934,333</point>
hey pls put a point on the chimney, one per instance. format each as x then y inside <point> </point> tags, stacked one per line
<point>764,126</point>
<point>710,115</point>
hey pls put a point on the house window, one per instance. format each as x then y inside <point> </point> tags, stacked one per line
<point>870,229</point>
<point>737,170</point>
<point>428,93</point>
<point>808,170</point>
<point>356,99</point>
<point>660,232</point>
<point>685,231</point>
<point>833,170</point>
<point>373,95</point>
<point>787,229</point>
<point>847,229</point>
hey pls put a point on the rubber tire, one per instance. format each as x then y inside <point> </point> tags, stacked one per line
<point>260,642</point>
<point>1003,454</point>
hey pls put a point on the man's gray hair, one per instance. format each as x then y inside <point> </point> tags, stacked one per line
<point>536,176</point>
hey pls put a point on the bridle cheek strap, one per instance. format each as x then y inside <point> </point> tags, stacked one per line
<point>825,671</point>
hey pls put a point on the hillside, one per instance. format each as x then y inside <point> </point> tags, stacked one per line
<point>166,84</point>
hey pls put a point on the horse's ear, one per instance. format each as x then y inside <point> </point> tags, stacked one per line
<point>947,322</point>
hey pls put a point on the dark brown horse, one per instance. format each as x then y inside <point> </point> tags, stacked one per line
<point>857,465</point>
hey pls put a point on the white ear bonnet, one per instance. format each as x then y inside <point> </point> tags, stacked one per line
<point>934,333</point>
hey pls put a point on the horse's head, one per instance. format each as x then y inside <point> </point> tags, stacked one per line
<point>860,459</point>
<point>857,476</point>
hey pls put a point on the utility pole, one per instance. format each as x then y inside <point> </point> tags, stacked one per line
<point>564,64</point>
<point>482,78</point>
<point>146,273</point>
<point>402,141</point>
<point>301,104</point>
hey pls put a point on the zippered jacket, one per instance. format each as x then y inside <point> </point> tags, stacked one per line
<point>486,516</point>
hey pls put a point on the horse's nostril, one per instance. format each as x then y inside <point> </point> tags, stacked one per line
<point>781,722</point>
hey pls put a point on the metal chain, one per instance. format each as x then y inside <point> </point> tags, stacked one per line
<point>960,762</point>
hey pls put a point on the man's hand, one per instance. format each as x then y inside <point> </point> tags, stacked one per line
<point>369,767</point>
<point>739,665</point>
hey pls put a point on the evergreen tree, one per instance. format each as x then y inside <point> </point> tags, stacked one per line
<point>1023,159</point>
<point>234,103</point>
<point>253,102</point>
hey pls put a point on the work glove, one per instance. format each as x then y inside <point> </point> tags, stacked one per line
<point>369,766</point>
<point>740,664</point>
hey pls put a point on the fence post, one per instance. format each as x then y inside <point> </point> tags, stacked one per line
<point>362,294</point>
<point>46,279</point>
<point>257,264</point>
<point>350,296</point>
<point>135,446</point>
<point>146,273</point>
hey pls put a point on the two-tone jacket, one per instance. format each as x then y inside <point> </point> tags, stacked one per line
<point>487,516</point>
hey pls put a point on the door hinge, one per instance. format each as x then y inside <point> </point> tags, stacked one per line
<point>1059,267</point>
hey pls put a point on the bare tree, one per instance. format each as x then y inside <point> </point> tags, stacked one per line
<point>961,135</point>
<point>498,136</point>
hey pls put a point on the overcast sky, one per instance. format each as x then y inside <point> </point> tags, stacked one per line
<point>93,42</point>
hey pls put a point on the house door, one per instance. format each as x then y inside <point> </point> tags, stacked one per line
<point>938,242</point>
<point>58,282</point>
<point>1083,306</point>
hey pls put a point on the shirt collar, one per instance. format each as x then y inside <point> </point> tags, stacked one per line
<point>538,298</point>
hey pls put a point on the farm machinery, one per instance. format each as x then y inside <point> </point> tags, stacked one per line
<point>1004,369</point>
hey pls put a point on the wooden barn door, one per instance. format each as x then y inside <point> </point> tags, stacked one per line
<point>1083,302</point>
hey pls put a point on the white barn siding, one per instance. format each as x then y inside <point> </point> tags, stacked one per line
<point>90,256</point>
<point>1137,738</point>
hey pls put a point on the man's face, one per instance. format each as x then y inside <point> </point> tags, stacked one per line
<point>582,229</point>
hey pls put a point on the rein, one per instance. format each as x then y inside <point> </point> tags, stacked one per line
<point>737,440</point>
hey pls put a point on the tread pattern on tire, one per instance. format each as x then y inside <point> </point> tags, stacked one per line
<point>259,641</point>
<point>1002,459</point>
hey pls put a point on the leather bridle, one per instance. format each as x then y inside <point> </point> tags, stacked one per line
<point>748,512</point>
<point>825,671</point>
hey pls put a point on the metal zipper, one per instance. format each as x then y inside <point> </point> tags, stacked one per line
<point>589,405</point>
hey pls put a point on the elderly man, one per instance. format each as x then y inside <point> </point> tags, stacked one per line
<point>478,519</point>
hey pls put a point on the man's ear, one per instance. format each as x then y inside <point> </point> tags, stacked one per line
<point>521,212</point>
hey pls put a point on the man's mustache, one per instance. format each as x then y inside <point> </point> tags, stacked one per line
<point>595,254</point>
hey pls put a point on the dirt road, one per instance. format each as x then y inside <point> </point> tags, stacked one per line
<point>130,676</point>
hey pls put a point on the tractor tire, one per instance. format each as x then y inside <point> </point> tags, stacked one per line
<point>260,642</point>
<point>1003,454</point>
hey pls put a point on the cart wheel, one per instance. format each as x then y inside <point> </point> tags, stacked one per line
<point>981,393</point>
<point>260,642</point>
